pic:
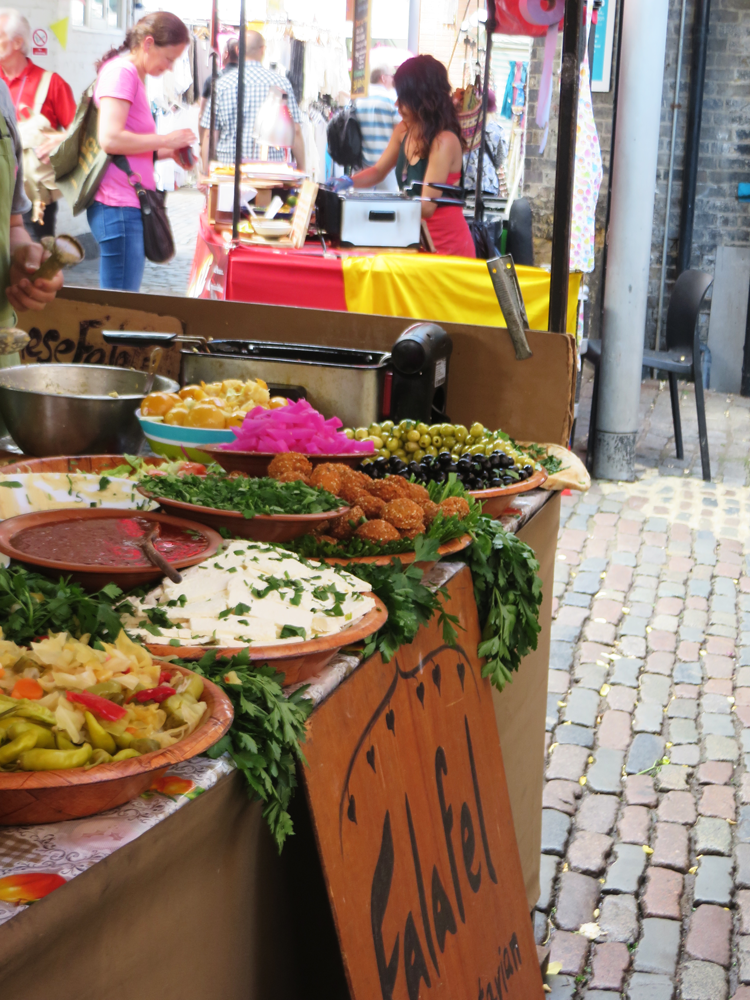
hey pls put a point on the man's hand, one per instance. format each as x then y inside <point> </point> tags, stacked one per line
<point>22,293</point>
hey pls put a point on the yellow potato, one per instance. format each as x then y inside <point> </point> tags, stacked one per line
<point>276,402</point>
<point>158,404</point>
<point>206,415</point>
<point>192,392</point>
<point>177,415</point>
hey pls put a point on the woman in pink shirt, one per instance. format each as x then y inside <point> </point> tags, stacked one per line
<point>126,127</point>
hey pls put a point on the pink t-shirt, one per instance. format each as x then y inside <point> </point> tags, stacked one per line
<point>119,78</point>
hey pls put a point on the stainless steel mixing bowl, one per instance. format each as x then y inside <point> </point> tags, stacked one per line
<point>75,409</point>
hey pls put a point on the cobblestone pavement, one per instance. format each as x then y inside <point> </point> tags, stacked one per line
<point>646,828</point>
<point>183,207</point>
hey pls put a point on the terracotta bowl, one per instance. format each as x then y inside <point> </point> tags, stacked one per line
<point>494,502</point>
<point>94,577</point>
<point>255,463</point>
<point>53,796</point>
<point>449,549</point>
<point>94,464</point>
<point>261,528</point>
<point>298,660</point>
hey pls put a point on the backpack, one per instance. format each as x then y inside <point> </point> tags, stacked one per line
<point>345,139</point>
<point>38,177</point>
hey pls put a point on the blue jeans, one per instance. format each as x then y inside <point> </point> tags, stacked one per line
<point>119,233</point>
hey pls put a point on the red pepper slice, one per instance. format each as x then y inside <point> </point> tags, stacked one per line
<point>165,676</point>
<point>102,707</point>
<point>157,694</point>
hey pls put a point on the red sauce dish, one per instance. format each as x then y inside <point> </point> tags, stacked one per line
<point>101,546</point>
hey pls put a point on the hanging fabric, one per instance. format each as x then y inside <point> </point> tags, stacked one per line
<point>506,110</point>
<point>588,172</point>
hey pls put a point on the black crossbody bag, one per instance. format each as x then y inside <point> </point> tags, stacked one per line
<point>158,243</point>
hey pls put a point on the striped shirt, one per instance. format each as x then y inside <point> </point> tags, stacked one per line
<point>258,81</point>
<point>377,117</point>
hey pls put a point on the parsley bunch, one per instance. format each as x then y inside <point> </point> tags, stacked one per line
<point>266,734</point>
<point>508,593</point>
<point>239,493</point>
<point>32,605</point>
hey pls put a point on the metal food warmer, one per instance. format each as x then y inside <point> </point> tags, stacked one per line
<point>360,387</point>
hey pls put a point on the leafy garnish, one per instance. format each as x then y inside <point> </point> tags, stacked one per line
<point>32,605</point>
<point>241,494</point>
<point>266,735</point>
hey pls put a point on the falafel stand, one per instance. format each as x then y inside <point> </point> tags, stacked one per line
<point>200,904</point>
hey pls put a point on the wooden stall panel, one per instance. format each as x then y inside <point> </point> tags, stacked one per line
<point>411,811</point>
<point>70,331</point>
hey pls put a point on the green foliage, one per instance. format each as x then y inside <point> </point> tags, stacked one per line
<point>508,593</point>
<point>248,496</point>
<point>265,737</point>
<point>32,605</point>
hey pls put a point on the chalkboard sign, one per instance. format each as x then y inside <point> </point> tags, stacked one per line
<point>413,822</point>
<point>361,48</point>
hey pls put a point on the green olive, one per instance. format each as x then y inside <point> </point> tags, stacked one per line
<point>387,426</point>
<point>437,441</point>
<point>401,453</point>
<point>418,455</point>
<point>449,442</point>
<point>423,428</point>
<point>383,453</point>
<point>476,430</point>
<point>393,444</point>
<point>413,435</point>
<point>425,441</point>
<point>349,433</point>
<point>360,434</point>
<point>411,446</point>
<point>432,450</point>
<point>374,430</point>
<point>377,442</point>
<point>461,432</point>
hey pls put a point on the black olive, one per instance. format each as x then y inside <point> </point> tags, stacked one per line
<point>464,464</point>
<point>413,467</point>
<point>495,482</point>
<point>396,465</point>
<point>506,462</point>
<point>508,480</point>
<point>445,459</point>
<point>529,470</point>
<point>495,460</point>
<point>470,482</point>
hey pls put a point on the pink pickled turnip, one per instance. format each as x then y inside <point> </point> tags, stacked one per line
<point>295,427</point>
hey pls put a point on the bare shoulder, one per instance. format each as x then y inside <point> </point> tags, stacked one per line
<point>447,143</point>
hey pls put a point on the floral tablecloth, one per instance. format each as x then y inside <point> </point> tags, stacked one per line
<point>35,860</point>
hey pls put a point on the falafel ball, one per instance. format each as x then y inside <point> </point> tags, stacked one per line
<point>288,460</point>
<point>455,507</point>
<point>387,489</point>
<point>344,527</point>
<point>404,514</point>
<point>377,531</point>
<point>326,477</point>
<point>371,505</point>
<point>416,492</point>
<point>430,511</point>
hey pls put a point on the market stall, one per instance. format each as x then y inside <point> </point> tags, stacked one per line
<point>359,280</point>
<point>128,856</point>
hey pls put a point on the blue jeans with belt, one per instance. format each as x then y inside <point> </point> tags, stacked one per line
<point>119,233</point>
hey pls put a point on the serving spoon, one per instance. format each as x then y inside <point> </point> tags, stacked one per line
<point>156,558</point>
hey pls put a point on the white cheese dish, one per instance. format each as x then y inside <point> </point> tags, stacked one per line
<point>29,492</point>
<point>250,593</point>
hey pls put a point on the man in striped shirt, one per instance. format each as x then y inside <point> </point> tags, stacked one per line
<point>377,117</point>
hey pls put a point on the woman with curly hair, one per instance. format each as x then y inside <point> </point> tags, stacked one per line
<point>426,145</point>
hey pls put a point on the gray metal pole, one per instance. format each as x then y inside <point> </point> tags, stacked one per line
<point>634,160</point>
<point>413,37</point>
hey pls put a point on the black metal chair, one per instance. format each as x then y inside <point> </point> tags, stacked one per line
<point>682,359</point>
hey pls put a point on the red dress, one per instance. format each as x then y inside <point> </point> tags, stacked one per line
<point>449,229</point>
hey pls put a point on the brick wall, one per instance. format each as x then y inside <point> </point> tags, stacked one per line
<point>720,220</point>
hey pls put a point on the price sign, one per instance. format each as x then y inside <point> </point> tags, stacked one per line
<point>414,826</point>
